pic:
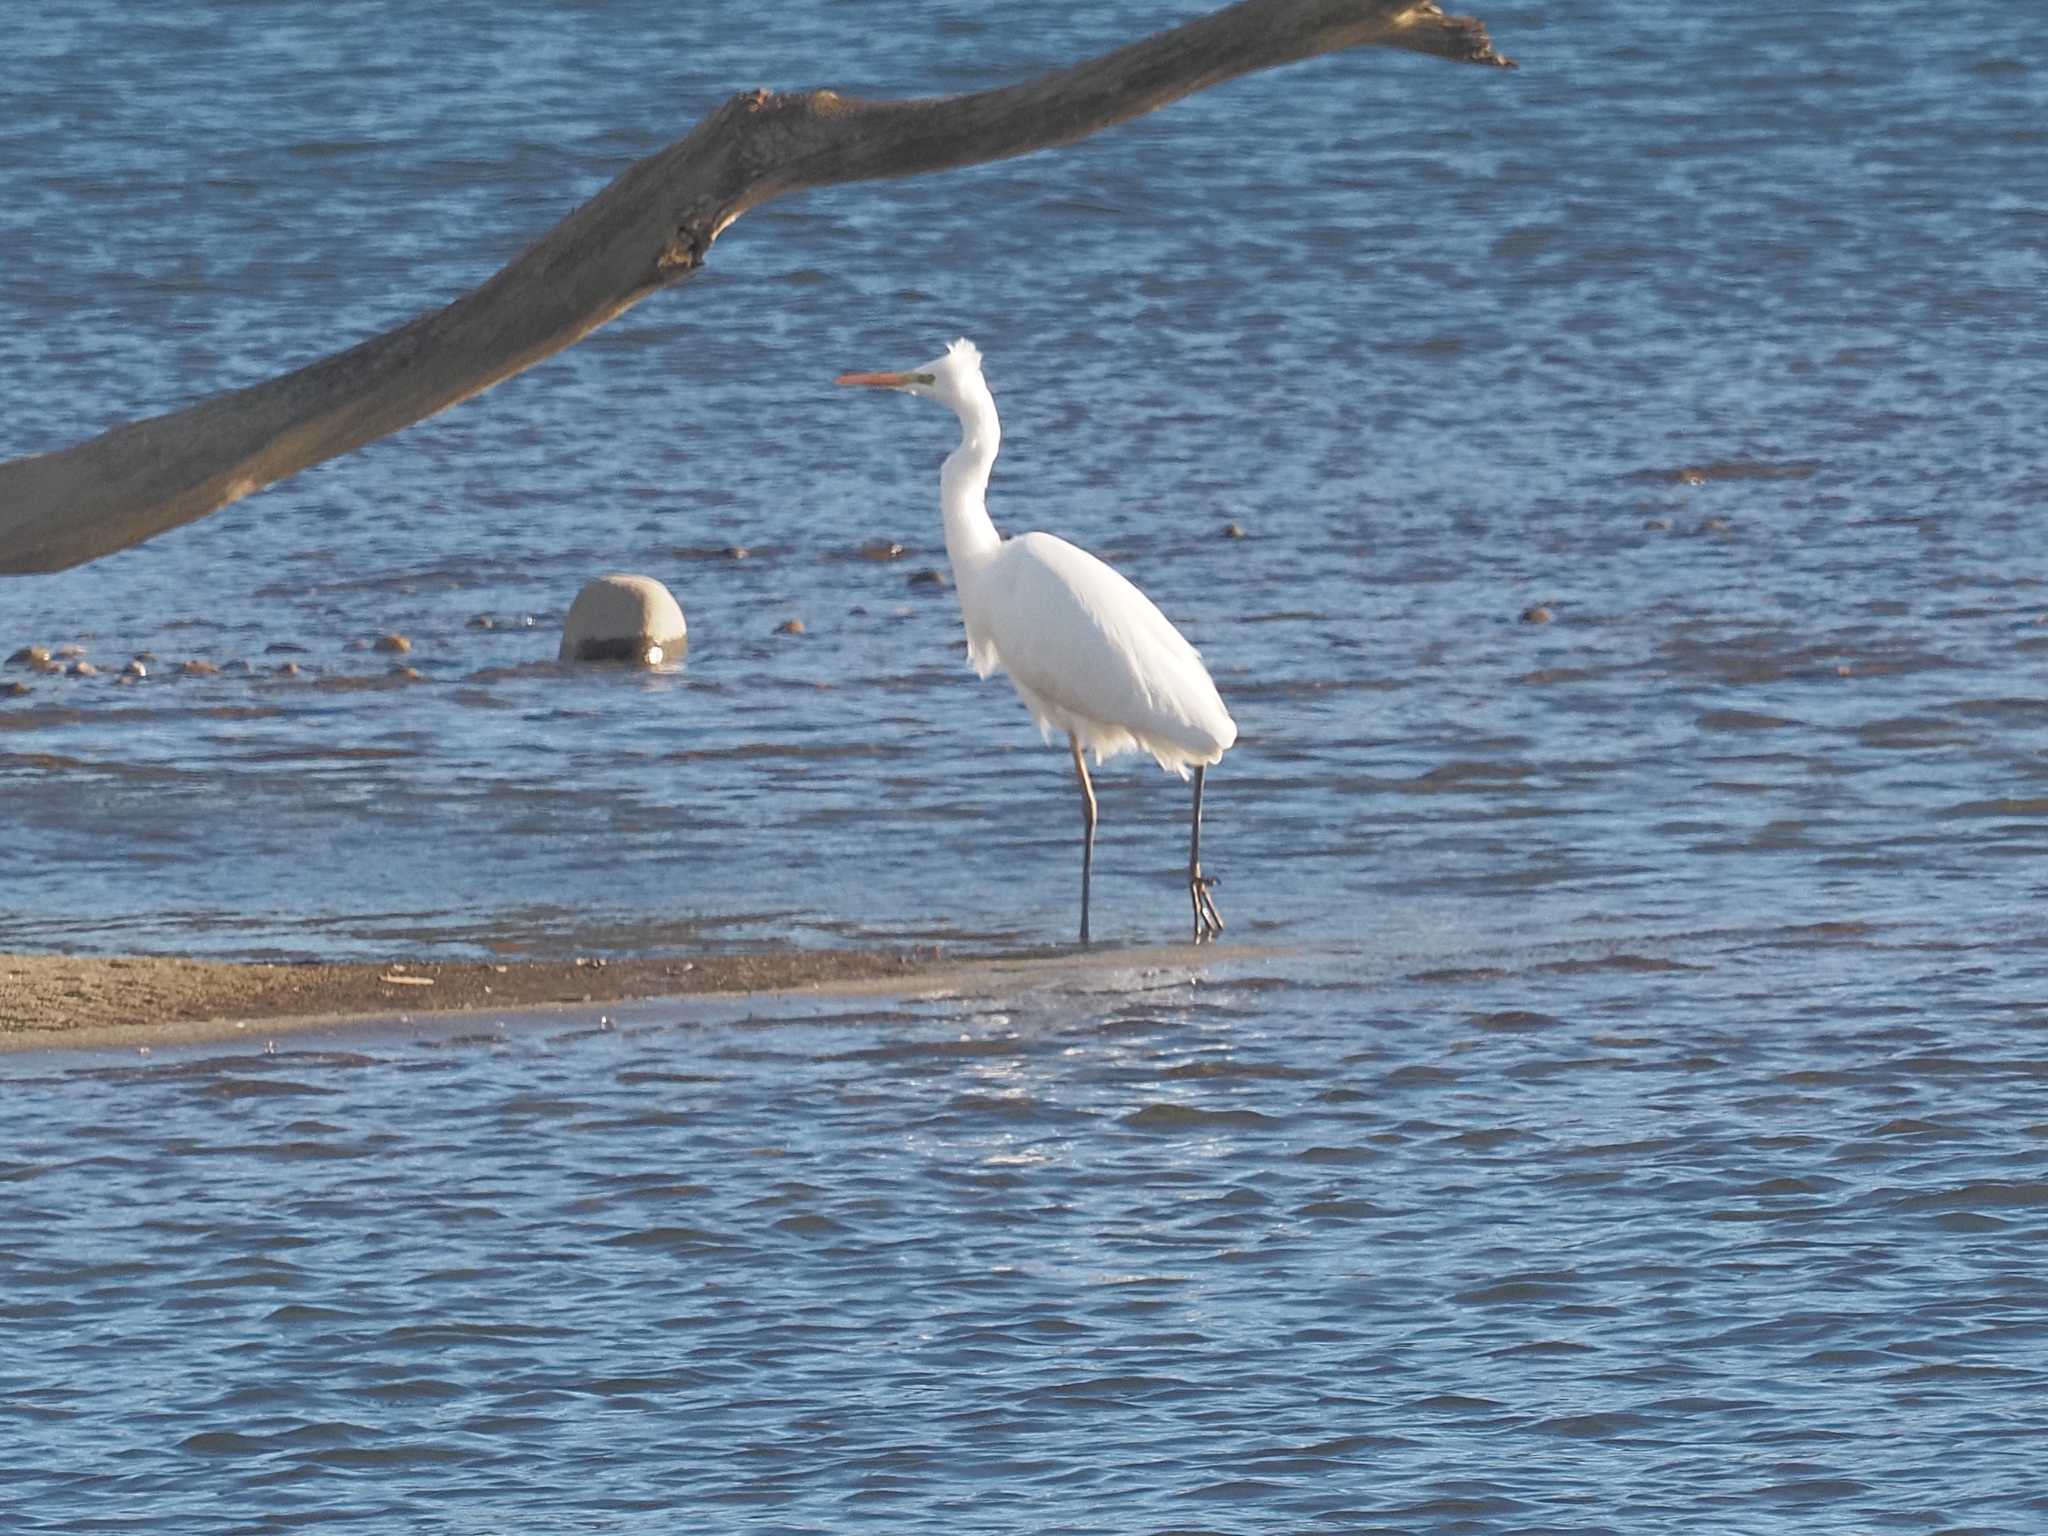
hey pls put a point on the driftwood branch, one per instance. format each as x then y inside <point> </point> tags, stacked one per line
<point>650,228</point>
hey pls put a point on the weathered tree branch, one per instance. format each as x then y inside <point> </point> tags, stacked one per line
<point>651,227</point>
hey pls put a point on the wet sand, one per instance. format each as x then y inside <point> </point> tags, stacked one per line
<point>70,1002</point>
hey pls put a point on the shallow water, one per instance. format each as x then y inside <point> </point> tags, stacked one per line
<point>1635,1124</point>
<point>1728,1243</point>
<point>1443,345</point>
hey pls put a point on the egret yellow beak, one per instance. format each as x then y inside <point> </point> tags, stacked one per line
<point>885,380</point>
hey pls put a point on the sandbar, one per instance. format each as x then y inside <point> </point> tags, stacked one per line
<point>94,1002</point>
<point>85,1002</point>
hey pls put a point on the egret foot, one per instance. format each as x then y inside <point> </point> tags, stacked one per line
<point>1208,921</point>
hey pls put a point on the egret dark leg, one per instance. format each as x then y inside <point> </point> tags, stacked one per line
<point>1088,828</point>
<point>1208,921</point>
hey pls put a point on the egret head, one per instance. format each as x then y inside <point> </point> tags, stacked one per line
<point>953,378</point>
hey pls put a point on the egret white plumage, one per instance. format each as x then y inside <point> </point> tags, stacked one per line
<point>1088,652</point>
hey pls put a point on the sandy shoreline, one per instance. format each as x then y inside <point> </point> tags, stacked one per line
<point>89,1002</point>
<point>97,1002</point>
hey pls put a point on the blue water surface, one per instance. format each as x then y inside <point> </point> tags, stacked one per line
<point>1627,1118</point>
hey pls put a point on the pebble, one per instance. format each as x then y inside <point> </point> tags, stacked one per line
<point>407,674</point>
<point>881,549</point>
<point>736,551</point>
<point>30,656</point>
<point>197,667</point>
<point>135,669</point>
<point>1536,613</point>
<point>1233,531</point>
<point>287,669</point>
<point>84,668</point>
<point>391,645</point>
<point>928,578</point>
<point>790,627</point>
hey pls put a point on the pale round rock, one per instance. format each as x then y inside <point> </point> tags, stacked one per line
<point>634,619</point>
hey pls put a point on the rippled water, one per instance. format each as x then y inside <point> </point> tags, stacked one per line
<point>1445,345</point>
<point>1731,1243</point>
<point>1635,1125</point>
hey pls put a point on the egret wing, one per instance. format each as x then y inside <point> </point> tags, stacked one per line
<point>1077,635</point>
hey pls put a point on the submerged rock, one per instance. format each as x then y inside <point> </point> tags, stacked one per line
<point>630,619</point>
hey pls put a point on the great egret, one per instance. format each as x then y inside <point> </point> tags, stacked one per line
<point>1089,653</point>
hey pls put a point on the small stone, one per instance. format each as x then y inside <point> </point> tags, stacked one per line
<point>735,551</point>
<point>84,668</point>
<point>790,627</point>
<point>391,645</point>
<point>36,656</point>
<point>1690,477</point>
<point>134,670</point>
<point>928,578</point>
<point>633,619</point>
<point>482,621</point>
<point>405,673</point>
<point>197,667</point>
<point>881,549</point>
<point>67,652</point>
<point>1536,613</point>
<point>287,669</point>
<point>1233,531</point>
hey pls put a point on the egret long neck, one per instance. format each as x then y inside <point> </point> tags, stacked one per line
<point>963,486</point>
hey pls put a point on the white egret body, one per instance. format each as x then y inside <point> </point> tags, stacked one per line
<point>1090,655</point>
